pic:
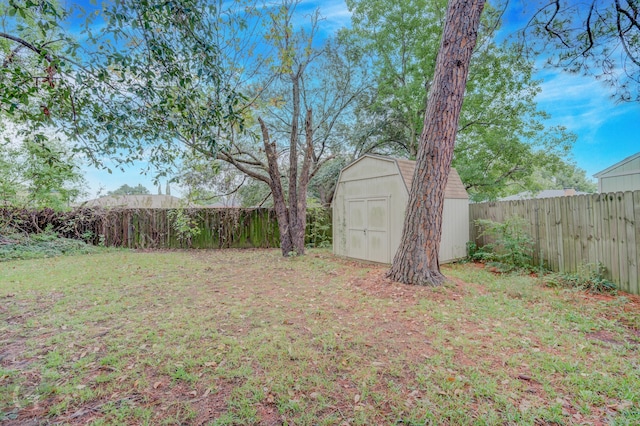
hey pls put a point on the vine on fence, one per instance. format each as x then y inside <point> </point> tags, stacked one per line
<point>160,228</point>
<point>186,226</point>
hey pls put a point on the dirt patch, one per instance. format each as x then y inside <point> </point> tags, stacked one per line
<point>376,283</point>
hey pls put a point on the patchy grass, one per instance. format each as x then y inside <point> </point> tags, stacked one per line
<point>248,337</point>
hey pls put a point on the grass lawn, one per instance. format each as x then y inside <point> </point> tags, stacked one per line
<point>248,337</point>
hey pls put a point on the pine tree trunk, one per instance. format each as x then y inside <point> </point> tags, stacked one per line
<point>416,261</point>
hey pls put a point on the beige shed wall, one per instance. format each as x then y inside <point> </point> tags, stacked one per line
<point>376,177</point>
<point>455,230</point>
<point>358,182</point>
<point>625,176</point>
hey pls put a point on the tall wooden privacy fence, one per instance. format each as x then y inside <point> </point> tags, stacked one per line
<point>169,228</point>
<point>572,231</point>
<point>193,228</point>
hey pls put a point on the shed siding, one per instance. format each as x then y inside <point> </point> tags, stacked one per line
<point>622,183</point>
<point>367,168</point>
<point>357,183</point>
<point>629,166</point>
<point>453,245</point>
<point>372,178</point>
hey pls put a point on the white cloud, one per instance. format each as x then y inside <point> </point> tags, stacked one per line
<point>577,102</point>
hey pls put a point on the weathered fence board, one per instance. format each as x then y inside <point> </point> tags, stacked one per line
<point>160,228</point>
<point>569,232</point>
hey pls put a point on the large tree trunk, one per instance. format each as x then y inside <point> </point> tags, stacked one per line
<point>293,167</point>
<point>300,225</point>
<point>416,261</point>
<point>292,221</point>
<point>279,203</point>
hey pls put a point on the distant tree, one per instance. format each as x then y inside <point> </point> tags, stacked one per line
<point>130,190</point>
<point>204,181</point>
<point>39,174</point>
<point>565,175</point>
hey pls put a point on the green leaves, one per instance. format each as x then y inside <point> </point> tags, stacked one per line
<point>502,136</point>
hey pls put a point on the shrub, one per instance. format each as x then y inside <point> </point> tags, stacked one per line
<point>318,233</point>
<point>590,277</point>
<point>185,225</point>
<point>15,246</point>
<point>510,249</point>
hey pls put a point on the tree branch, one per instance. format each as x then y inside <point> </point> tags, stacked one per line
<point>28,45</point>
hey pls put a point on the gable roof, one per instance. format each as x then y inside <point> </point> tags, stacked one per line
<point>618,164</point>
<point>454,189</point>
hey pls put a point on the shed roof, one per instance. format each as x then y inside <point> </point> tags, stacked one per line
<point>615,166</point>
<point>454,189</point>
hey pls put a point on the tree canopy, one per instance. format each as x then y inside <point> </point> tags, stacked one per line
<point>130,190</point>
<point>502,136</point>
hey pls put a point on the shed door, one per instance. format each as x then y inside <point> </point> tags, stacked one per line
<point>368,229</point>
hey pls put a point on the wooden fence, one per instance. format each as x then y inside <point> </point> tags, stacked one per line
<point>161,228</point>
<point>572,231</point>
<point>216,228</point>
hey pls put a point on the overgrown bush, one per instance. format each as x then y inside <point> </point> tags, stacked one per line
<point>510,247</point>
<point>16,245</point>
<point>186,226</point>
<point>318,233</point>
<point>590,277</point>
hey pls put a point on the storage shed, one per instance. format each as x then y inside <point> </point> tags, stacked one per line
<point>622,176</point>
<point>369,205</point>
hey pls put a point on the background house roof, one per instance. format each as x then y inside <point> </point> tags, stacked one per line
<point>547,193</point>
<point>137,201</point>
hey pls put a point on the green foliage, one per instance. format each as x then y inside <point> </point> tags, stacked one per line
<point>589,277</point>
<point>511,247</point>
<point>318,231</point>
<point>14,246</point>
<point>37,86</point>
<point>185,224</point>
<point>502,136</point>
<point>174,96</point>
<point>36,172</point>
<point>566,175</point>
<point>130,190</point>
<point>148,82</point>
<point>323,184</point>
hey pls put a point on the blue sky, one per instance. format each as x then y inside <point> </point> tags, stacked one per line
<point>607,131</point>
